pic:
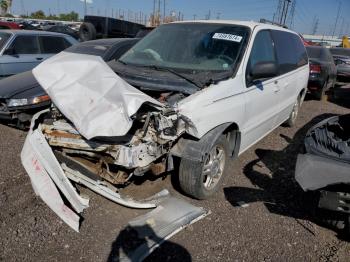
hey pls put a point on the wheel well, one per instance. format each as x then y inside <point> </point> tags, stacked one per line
<point>233,136</point>
<point>301,96</point>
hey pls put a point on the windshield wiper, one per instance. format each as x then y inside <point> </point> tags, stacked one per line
<point>174,73</point>
<point>122,62</point>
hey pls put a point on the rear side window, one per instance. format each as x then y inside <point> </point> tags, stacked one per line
<point>25,44</point>
<point>52,44</point>
<point>290,51</point>
<point>262,51</point>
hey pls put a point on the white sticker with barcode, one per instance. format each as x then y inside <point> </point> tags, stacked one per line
<point>228,37</point>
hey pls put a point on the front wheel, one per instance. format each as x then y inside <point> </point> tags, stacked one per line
<point>202,179</point>
<point>294,114</point>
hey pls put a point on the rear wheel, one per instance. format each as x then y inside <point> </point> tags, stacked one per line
<point>202,179</point>
<point>87,32</point>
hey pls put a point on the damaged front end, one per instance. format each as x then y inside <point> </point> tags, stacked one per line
<point>116,159</point>
<point>101,143</point>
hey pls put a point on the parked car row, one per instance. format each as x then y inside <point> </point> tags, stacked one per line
<point>327,66</point>
<point>21,96</point>
<point>323,72</point>
<point>22,50</point>
<point>342,60</point>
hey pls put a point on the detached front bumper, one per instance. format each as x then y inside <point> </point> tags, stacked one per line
<point>316,172</point>
<point>50,178</point>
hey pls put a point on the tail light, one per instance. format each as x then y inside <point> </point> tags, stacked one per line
<point>315,69</point>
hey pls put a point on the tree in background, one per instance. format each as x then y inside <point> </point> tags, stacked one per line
<point>72,16</point>
<point>38,15</point>
<point>4,6</point>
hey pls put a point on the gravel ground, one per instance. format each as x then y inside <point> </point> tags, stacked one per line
<point>279,223</point>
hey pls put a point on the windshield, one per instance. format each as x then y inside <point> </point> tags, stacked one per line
<point>314,52</point>
<point>3,39</point>
<point>320,53</point>
<point>190,46</point>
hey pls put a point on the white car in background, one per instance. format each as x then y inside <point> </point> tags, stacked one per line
<point>199,92</point>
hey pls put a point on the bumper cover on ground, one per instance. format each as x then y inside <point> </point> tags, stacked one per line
<point>49,180</point>
<point>315,172</point>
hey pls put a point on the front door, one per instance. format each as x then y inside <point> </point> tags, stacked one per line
<point>262,98</point>
<point>24,55</point>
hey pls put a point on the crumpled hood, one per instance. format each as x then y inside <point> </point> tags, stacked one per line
<point>14,86</point>
<point>86,90</point>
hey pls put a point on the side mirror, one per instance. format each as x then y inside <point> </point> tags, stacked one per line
<point>263,70</point>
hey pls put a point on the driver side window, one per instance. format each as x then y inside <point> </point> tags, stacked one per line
<point>262,51</point>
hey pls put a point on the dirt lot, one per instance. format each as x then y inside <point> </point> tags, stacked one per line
<point>279,224</point>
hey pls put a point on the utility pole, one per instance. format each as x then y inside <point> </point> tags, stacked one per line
<point>286,5</point>
<point>292,13</point>
<point>208,15</point>
<point>159,11</point>
<point>58,7</point>
<point>22,7</point>
<point>277,14</point>
<point>282,14</point>
<point>315,25</point>
<point>336,20</point>
<point>194,17</point>
<point>341,27</point>
<point>154,13</point>
<point>164,4</point>
<point>85,8</point>
<point>218,15</point>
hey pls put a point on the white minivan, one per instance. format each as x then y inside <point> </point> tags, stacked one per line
<point>193,93</point>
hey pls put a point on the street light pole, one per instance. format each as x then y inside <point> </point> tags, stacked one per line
<point>85,8</point>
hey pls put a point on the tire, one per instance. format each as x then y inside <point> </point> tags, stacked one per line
<point>294,114</point>
<point>87,32</point>
<point>320,95</point>
<point>197,182</point>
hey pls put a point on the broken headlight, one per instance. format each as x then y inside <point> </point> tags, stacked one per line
<point>27,101</point>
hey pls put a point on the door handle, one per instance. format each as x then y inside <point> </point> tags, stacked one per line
<point>276,89</point>
<point>39,58</point>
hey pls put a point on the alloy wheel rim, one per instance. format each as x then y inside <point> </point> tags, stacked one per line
<point>295,110</point>
<point>213,167</point>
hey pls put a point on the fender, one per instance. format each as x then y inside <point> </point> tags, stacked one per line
<point>196,150</point>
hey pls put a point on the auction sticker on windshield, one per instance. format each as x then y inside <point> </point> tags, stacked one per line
<point>229,37</point>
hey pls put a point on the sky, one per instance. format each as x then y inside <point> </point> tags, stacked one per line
<point>307,12</point>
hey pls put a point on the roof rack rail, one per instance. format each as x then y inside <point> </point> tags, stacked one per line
<point>265,21</point>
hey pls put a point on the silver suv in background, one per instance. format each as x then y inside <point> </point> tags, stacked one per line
<point>22,50</point>
<point>341,58</point>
